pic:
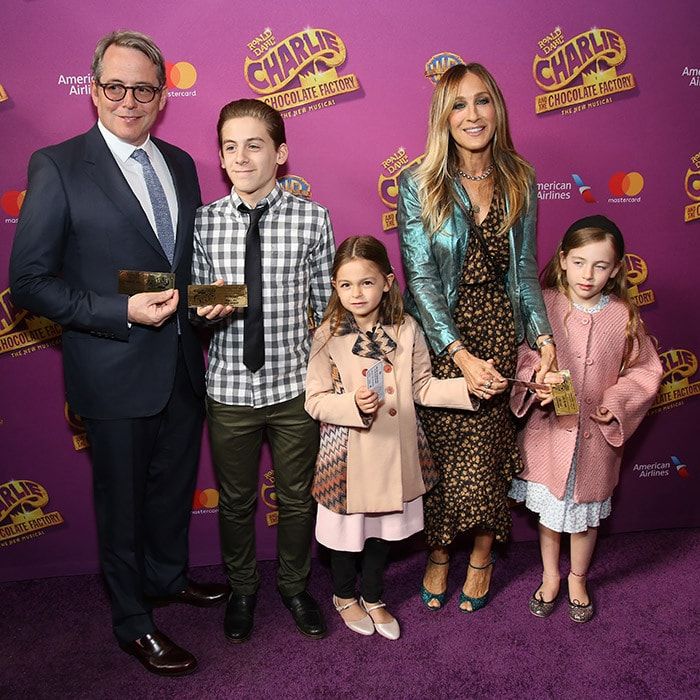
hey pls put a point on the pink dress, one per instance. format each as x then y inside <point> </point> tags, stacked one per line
<point>347,533</point>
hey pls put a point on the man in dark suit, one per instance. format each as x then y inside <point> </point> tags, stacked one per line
<point>115,198</point>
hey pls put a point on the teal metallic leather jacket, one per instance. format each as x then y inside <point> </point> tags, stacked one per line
<point>433,267</point>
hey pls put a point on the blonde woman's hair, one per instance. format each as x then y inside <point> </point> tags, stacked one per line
<point>436,173</point>
<point>554,276</point>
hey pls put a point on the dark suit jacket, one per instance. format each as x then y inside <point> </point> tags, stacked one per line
<point>80,223</point>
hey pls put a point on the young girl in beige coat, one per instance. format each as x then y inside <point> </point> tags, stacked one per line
<point>369,363</point>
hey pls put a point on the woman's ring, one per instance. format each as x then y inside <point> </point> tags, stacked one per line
<point>487,385</point>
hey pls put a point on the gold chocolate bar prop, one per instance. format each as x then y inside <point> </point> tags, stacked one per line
<point>565,403</point>
<point>135,281</point>
<point>211,294</point>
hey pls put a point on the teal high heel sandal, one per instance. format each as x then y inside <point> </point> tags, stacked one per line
<point>476,603</point>
<point>427,597</point>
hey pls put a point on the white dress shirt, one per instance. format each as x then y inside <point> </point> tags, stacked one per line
<point>133,172</point>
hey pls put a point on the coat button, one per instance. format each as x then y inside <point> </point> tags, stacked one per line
<point>390,390</point>
<point>589,362</point>
<point>585,321</point>
<point>364,372</point>
<point>387,368</point>
<point>392,411</point>
<point>586,435</point>
<point>589,400</point>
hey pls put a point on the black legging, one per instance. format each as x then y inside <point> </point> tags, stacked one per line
<point>344,570</point>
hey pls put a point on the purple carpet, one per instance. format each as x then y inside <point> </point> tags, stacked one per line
<point>55,638</point>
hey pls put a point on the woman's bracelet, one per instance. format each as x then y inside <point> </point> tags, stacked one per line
<point>456,349</point>
<point>549,340</point>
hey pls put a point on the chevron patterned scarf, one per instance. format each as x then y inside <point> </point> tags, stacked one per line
<point>375,344</point>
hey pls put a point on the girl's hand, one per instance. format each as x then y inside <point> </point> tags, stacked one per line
<point>602,415</point>
<point>544,396</point>
<point>482,377</point>
<point>215,312</point>
<point>367,401</point>
<point>553,377</point>
<point>548,362</point>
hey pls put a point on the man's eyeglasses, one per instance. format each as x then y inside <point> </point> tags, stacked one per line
<point>116,92</point>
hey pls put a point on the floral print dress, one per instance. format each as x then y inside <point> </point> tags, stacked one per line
<point>476,452</point>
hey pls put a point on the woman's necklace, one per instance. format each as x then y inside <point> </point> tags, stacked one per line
<point>483,175</point>
<point>480,195</point>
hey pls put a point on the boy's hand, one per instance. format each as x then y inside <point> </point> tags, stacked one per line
<point>215,312</point>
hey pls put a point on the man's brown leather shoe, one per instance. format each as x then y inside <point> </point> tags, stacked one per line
<point>160,655</point>
<point>203,595</point>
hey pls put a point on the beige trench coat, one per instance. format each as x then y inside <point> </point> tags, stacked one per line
<point>383,469</point>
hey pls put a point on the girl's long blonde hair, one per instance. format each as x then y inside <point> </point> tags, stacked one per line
<point>365,248</point>
<point>436,173</point>
<point>554,276</point>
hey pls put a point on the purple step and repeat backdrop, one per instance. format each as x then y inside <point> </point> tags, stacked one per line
<point>603,100</point>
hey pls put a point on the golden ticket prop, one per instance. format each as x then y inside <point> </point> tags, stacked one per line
<point>565,403</point>
<point>135,281</point>
<point>212,294</point>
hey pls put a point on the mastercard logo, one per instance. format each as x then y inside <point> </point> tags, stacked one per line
<point>11,202</point>
<point>630,184</point>
<point>181,75</point>
<point>205,498</point>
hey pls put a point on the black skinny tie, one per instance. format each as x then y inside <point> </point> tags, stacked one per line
<point>253,333</point>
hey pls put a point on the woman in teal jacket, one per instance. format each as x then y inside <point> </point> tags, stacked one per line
<point>466,219</point>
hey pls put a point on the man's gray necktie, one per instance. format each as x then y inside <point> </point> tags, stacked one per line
<point>159,202</point>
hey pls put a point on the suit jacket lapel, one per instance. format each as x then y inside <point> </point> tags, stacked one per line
<point>102,168</point>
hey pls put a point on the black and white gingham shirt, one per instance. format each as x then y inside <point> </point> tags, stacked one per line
<point>297,255</point>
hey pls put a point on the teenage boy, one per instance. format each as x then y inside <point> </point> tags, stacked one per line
<point>281,247</point>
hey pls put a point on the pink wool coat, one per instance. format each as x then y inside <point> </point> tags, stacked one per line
<point>591,346</point>
<point>383,469</point>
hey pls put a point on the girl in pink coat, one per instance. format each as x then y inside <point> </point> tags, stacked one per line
<point>368,365</point>
<point>572,462</point>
